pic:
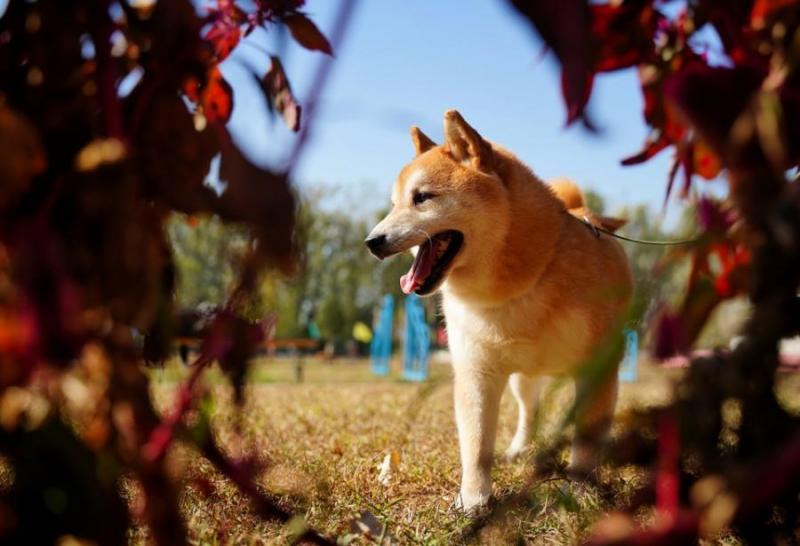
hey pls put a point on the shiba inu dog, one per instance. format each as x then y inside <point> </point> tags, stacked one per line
<point>527,289</point>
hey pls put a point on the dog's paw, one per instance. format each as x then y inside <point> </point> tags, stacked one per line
<point>472,505</point>
<point>516,452</point>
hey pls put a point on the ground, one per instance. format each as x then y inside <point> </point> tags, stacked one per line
<point>322,443</point>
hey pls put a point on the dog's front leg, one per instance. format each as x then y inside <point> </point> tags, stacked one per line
<point>477,403</point>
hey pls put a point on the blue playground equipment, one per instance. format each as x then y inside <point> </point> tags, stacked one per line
<point>381,347</point>
<point>628,370</point>
<point>417,341</point>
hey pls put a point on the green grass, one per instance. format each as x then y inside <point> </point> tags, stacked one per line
<point>322,443</point>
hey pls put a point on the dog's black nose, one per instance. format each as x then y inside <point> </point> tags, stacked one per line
<point>376,244</point>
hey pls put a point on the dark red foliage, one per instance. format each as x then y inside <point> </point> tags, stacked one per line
<point>712,216</point>
<point>306,33</point>
<point>88,179</point>
<point>667,479</point>
<point>564,27</point>
<point>225,31</point>
<point>713,98</point>
<point>592,38</point>
<point>739,120</point>
<point>217,98</point>
<point>623,33</point>
<point>670,338</point>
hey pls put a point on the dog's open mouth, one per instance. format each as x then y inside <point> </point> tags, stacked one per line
<point>433,258</point>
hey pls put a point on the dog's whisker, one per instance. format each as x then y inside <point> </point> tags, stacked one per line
<point>426,234</point>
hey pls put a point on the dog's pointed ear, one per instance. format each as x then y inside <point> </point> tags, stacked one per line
<point>610,223</point>
<point>421,141</point>
<point>465,144</point>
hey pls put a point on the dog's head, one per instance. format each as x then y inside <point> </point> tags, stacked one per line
<point>446,206</point>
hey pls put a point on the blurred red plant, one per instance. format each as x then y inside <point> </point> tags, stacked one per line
<point>88,178</point>
<point>737,117</point>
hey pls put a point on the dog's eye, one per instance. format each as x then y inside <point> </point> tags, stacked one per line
<point>422,196</point>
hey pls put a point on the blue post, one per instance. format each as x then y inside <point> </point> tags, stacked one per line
<point>381,347</point>
<point>628,370</point>
<point>417,341</point>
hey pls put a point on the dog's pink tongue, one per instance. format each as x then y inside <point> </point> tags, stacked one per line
<point>420,269</point>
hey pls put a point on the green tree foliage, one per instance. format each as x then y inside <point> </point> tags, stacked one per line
<point>646,225</point>
<point>339,283</point>
<point>594,201</point>
<point>202,249</point>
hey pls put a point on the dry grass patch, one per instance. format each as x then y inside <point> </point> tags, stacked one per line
<point>322,443</point>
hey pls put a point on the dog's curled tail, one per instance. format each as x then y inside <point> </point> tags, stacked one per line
<point>568,192</point>
<point>571,195</point>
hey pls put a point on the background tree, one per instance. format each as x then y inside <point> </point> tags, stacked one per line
<point>339,284</point>
<point>203,248</point>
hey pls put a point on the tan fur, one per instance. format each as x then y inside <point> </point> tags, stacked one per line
<point>532,291</point>
<point>571,195</point>
<point>568,192</point>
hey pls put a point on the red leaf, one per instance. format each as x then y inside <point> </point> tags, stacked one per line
<point>623,33</point>
<point>707,287</point>
<point>669,339</point>
<point>712,217</point>
<point>706,163</point>
<point>763,10</point>
<point>306,33</point>
<point>566,28</point>
<point>225,31</point>
<point>191,88</point>
<point>279,94</point>
<point>734,261</point>
<point>578,105</point>
<point>730,20</point>
<point>217,98</point>
<point>713,98</point>
<point>175,156</point>
<point>667,479</point>
<point>224,37</point>
<point>652,146</point>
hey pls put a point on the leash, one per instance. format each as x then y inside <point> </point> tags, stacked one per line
<point>597,230</point>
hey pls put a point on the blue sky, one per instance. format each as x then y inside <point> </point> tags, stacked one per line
<point>406,62</point>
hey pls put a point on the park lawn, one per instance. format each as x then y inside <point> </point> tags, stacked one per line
<point>322,443</point>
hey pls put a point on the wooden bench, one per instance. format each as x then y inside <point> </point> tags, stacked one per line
<point>298,346</point>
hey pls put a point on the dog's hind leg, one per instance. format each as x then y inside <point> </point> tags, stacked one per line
<point>592,420</point>
<point>477,404</point>
<point>526,391</point>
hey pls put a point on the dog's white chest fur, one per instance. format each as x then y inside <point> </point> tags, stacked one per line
<point>520,336</point>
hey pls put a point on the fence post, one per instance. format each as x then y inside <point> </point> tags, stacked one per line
<point>381,345</point>
<point>417,341</point>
